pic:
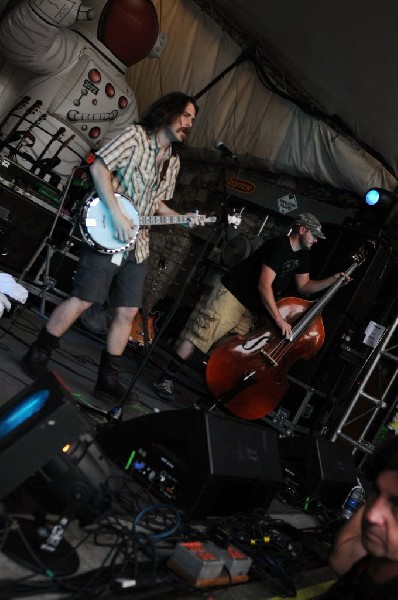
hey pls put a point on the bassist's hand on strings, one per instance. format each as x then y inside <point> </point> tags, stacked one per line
<point>338,276</point>
<point>285,328</point>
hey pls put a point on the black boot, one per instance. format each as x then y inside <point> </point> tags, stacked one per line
<point>35,361</point>
<point>108,386</point>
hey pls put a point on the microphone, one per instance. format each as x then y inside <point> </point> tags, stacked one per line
<point>219,145</point>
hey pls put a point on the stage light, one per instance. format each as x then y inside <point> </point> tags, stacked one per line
<point>380,198</point>
<point>47,451</point>
<point>23,411</point>
<point>380,208</point>
<point>372,197</point>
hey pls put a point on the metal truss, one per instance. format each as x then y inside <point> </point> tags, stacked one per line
<point>375,401</point>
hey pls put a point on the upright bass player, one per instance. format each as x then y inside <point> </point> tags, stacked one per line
<point>248,290</point>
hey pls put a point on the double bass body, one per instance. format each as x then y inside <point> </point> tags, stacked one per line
<point>248,374</point>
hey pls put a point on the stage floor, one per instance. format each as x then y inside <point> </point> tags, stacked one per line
<point>76,362</point>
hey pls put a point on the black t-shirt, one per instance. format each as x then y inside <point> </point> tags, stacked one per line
<point>357,585</point>
<point>277,253</point>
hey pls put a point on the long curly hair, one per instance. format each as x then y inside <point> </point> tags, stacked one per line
<point>164,110</point>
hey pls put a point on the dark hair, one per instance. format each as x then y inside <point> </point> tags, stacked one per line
<point>164,110</point>
<point>385,458</point>
<point>296,228</point>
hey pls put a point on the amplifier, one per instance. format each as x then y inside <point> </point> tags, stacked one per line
<point>318,468</point>
<point>16,176</point>
<point>204,463</point>
<point>29,224</point>
<point>166,472</point>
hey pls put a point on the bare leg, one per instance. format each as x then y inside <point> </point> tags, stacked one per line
<point>120,329</point>
<point>184,349</point>
<point>65,315</point>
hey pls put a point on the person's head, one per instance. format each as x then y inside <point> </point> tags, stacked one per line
<point>380,517</point>
<point>308,229</point>
<point>174,113</point>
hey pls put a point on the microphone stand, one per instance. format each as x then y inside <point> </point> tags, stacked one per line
<point>115,414</point>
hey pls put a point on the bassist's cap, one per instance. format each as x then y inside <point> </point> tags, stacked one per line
<point>312,223</point>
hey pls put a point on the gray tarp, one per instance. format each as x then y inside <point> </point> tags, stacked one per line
<point>314,42</point>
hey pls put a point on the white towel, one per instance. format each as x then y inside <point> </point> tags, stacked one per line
<point>15,290</point>
<point>4,303</point>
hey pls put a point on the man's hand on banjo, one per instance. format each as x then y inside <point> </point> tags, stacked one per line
<point>124,227</point>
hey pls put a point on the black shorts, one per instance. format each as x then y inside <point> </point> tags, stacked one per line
<point>98,279</point>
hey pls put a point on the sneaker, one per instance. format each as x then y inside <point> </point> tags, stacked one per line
<point>164,388</point>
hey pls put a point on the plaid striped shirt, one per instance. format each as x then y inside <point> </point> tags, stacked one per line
<point>131,160</point>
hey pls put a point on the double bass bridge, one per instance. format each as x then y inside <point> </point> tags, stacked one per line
<point>269,358</point>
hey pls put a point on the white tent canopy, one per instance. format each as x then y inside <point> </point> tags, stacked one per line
<point>323,49</point>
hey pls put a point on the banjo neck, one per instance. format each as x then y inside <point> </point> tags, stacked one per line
<point>170,219</point>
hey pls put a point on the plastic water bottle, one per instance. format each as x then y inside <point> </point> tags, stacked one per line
<point>352,502</point>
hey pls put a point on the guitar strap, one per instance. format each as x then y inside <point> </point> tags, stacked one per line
<point>165,166</point>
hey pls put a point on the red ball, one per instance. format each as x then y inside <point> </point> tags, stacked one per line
<point>122,103</point>
<point>94,132</point>
<point>94,75</point>
<point>129,28</point>
<point>109,90</point>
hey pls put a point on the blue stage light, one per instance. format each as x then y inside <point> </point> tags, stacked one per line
<point>372,197</point>
<point>23,411</point>
<point>380,207</point>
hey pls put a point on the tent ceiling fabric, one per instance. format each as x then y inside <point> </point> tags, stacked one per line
<point>324,49</point>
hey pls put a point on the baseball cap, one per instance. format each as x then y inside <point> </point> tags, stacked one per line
<point>310,221</point>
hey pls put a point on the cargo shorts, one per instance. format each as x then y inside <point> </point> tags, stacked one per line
<point>215,316</point>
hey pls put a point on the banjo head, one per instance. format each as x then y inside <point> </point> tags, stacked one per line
<point>97,228</point>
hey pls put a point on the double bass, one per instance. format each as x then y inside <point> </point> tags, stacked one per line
<point>248,374</point>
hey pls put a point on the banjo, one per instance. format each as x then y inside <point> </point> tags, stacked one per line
<point>97,227</point>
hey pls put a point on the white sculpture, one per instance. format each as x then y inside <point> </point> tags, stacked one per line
<point>63,90</point>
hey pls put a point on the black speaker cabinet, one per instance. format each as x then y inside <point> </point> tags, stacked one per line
<point>203,463</point>
<point>29,224</point>
<point>320,468</point>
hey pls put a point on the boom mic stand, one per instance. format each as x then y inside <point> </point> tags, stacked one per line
<point>116,413</point>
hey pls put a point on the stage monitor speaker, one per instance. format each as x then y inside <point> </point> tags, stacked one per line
<point>35,426</point>
<point>29,224</point>
<point>319,468</point>
<point>203,463</point>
